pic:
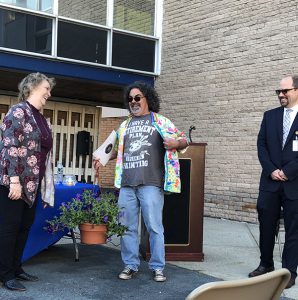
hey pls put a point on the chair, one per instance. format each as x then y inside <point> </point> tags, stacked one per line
<point>264,287</point>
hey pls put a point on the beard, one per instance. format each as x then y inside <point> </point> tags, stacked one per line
<point>283,101</point>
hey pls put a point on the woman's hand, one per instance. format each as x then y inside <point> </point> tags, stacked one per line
<point>15,191</point>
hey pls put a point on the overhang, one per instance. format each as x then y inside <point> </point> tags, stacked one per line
<point>75,83</point>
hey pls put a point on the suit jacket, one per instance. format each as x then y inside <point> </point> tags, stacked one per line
<point>272,156</point>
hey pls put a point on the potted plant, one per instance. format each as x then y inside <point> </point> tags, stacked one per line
<point>92,211</point>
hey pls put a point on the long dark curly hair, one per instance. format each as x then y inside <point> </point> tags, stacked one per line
<point>148,91</point>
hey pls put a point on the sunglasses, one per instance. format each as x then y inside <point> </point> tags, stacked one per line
<point>284,91</point>
<point>137,98</point>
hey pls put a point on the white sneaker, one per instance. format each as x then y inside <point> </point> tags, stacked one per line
<point>127,273</point>
<point>158,276</point>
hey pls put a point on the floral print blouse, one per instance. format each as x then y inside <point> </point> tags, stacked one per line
<point>20,150</point>
<point>166,129</point>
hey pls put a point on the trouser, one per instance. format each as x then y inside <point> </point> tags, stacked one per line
<point>16,219</point>
<point>151,201</point>
<point>269,208</point>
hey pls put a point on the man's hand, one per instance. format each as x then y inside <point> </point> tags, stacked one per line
<point>275,175</point>
<point>283,176</point>
<point>170,144</point>
<point>96,164</point>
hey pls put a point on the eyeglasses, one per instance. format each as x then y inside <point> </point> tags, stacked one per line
<point>284,91</point>
<point>137,98</point>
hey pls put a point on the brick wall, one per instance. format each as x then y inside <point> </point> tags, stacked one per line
<point>221,61</point>
<point>106,174</point>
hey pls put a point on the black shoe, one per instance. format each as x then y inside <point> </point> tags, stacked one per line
<point>14,285</point>
<point>291,281</point>
<point>26,277</point>
<point>260,270</point>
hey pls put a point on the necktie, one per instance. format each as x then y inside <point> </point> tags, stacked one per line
<point>286,126</point>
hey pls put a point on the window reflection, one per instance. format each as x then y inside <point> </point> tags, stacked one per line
<point>94,11</point>
<point>25,32</point>
<point>133,52</point>
<point>40,5</point>
<point>135,15</point>
<point>82,42</point>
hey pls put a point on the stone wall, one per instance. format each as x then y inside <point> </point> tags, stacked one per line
<point>221,62</point>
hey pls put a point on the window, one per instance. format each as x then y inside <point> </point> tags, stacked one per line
<point>118,33</point>
<point>94,11</point>
<point>82,42</point>
<point>46,6</point>
<point>40,5</point>
<point>25,32</point>
<point>135,15</point>
<point>133,52</point>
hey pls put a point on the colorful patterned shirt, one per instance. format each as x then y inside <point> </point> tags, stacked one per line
<point>166,129</point>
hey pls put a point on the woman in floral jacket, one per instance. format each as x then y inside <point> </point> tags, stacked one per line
<point>25,169</point>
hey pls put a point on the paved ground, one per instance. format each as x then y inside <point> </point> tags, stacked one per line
<point>231,251</point>
<point>95,277</point>
<point>230,248</point>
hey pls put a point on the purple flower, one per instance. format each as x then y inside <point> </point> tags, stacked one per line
<point>116,193</point>
<point>50,229</point>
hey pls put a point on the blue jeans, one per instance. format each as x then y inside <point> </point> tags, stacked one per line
<point>151,200</point>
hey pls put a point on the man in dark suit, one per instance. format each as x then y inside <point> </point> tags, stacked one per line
<point>278,155</point>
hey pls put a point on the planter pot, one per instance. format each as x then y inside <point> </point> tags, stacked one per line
<point>93,234</point>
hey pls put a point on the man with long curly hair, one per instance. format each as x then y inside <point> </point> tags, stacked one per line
<point>147,165</point>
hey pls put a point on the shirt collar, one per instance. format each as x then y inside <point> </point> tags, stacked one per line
<point>294,108</point>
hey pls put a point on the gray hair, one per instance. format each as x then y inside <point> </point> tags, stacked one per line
<point>30,82</point>
<point>295,81</point>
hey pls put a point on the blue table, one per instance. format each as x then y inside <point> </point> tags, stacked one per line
<point>39,239</point>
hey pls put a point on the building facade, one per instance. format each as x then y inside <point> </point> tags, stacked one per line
<point>215,64</point>
<point>221,63</point>
<point>93,49</point>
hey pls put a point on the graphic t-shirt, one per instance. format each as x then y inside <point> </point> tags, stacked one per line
<point>143,159</point>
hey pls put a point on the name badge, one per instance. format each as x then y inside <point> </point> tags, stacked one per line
<point>295,145</point>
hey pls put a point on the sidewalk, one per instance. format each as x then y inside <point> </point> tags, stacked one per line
<point>230,248</point>
<point>231,251</point>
